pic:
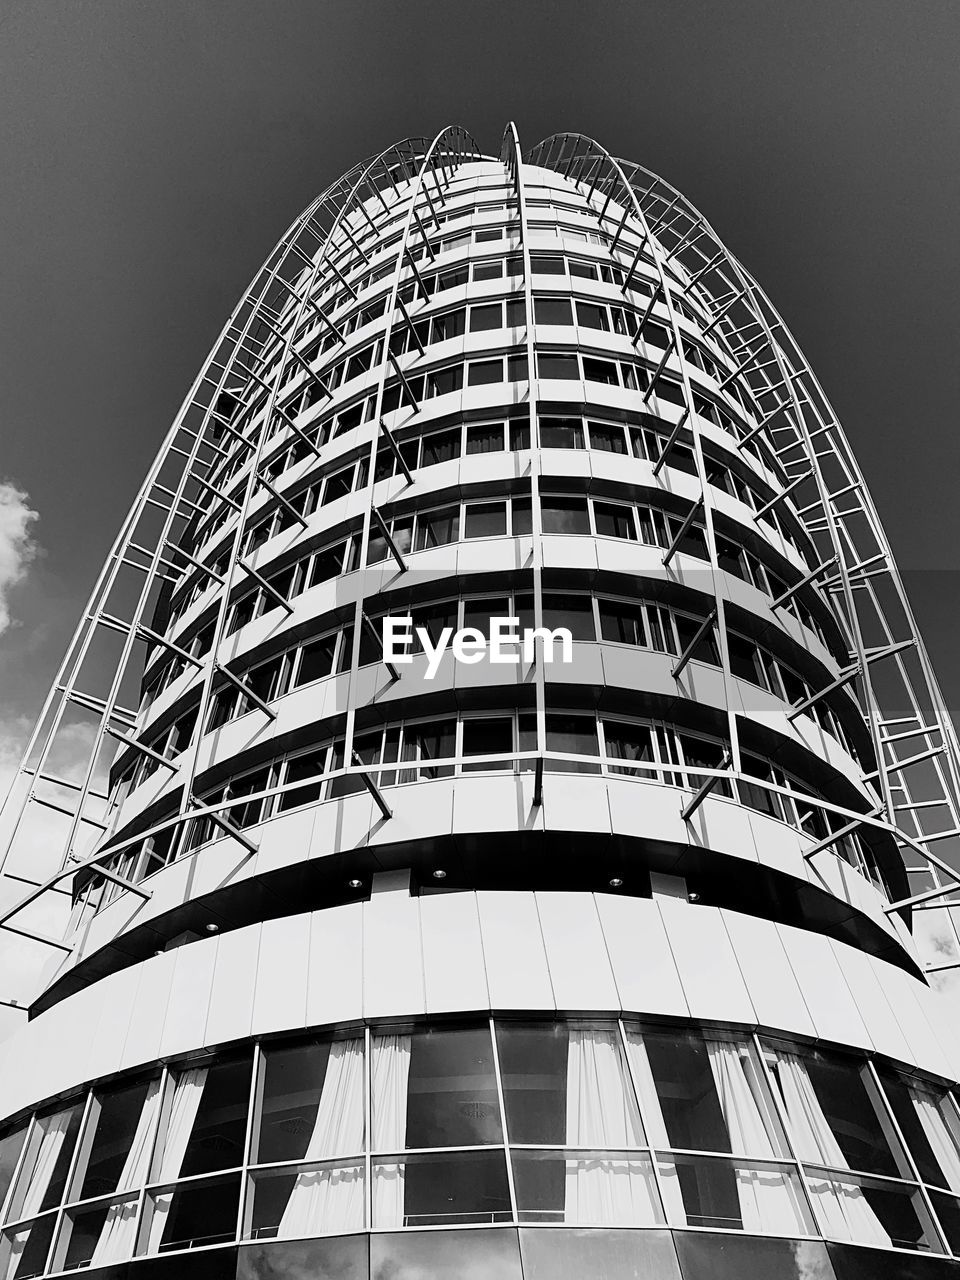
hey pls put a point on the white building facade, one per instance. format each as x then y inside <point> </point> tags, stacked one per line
<point>606,967</point>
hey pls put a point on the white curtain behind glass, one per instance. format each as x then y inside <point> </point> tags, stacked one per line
<point>841,1206</point>
<point>940,1127</point>
<point>390,1075</point>
<point>324,1200</point>
<point>656,1127</point>
<point>187,1093</point>
<point>117,1238</point>
<point>52,1132</point>
<point>769,1201</point>
<point>601,1113</point>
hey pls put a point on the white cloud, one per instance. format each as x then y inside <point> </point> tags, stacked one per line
<point>17,547</point>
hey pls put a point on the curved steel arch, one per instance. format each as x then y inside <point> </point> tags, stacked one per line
<point>275,302</point>
<point>841,521</point>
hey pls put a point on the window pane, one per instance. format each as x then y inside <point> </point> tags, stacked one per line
<point>615,521</point>
<point>522,517</point>
<point>217,1133</point>
<point>544,265</point>
<point>440,1255</point>
<point>573,735</point>
<point>631,742</point>
<point>517,368</point>
<point>292,1080</point>
<point>610,439</point>
<point>591,316</point>
<point>317,659</point>
<point>485,438</point>
<point>842,1094</point>
<point>605,371</point>
<point>486,317</point>
<point>533,1061</point>
<point>484,372</point>
<point>426,742</point>
<point>442,446</point>
<point>614,1255</point>
<point>564,515</point>
<point>726,1257</point>
<point>441,1190</point>
<point>343,1257</point>
<point>485,519</point>
<point>30,1244</point>
<point>929,1125</point>
<point>452,1092</point>
<point>573,612</point>
<point>552,311</point>
<point>436,528</point>
<point>9,1154</point>
<point>310,765</point>
<point>195,1214</point>
<point>558,366</point>
<point>561,433</point>
<point>487,737</point>
<point>43,1174</point>
<point>597,1188</point>
<point>119,1112</point>
<point>686,1090</point>
<point>622,623</point>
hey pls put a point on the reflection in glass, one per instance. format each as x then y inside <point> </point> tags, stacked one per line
<point>533,1063</point>
<point>9,1154</point>
<point>342,1258</point>
<point>708,1257</point>
<point>614,1255</point>
<point>452,1090</point>
<point>439,1255</point>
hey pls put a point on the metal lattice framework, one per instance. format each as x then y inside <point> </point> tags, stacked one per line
<point>93,701</point>
<point>914,740</point>
<point>95,694</point>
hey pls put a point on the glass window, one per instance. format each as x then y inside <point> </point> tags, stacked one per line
<point>310,765</point>
<point>440,1255</point>
<point>564,515</point>
<point>23,1251</point>
<point>210,1104</point>
<point>436,528</point>
<point>484,372</point>
<point>292,1080</point>
<point>555,365</point>
<point>552,311</point>
<point>608,438</point>
<point>595,370</point>
<point>590,316</point>
<point>705,649</point>
<point>487,270</point>
<point>616,1255</point>
<point>686,1089</point>
<point>484,519</point>
<point>485,438</point>
<point>194,1214</point>
<point>316,659</point>
<point>449,325</point>
<point>533,1062</point>
<point>486,317</point>
<point>927,1117</point>
<point>615,521</point>
<point>622,623</point>
<point>334,1258</point>
<point>492,735</point>
<point>520,437</point>
<point>547,265</point>
<point>573,612</point>
<point>630,742</point>
<point>726,1257</point>
<point>452,1092</point>
<point>114,1118</point>
<point>573,735</point>
<point>426,742</point>
<point>517,368</point>
<point>600,1188</point>
<point>43,1174</point>
<point>561,433</point>
<point>522,515</point>
<point>516,313</point>
<point>10,1146</point>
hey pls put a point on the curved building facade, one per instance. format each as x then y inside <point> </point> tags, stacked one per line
<point>602,960</point>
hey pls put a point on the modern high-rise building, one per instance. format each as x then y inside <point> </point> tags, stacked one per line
<point>608,959</point>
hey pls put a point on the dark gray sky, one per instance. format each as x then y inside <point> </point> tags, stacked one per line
<point>151,154</point>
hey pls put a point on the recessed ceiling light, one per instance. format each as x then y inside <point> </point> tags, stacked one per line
<point>615,882</point>
<point>355,884</point>
<point>439,875</point>
<point>213,928</point>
